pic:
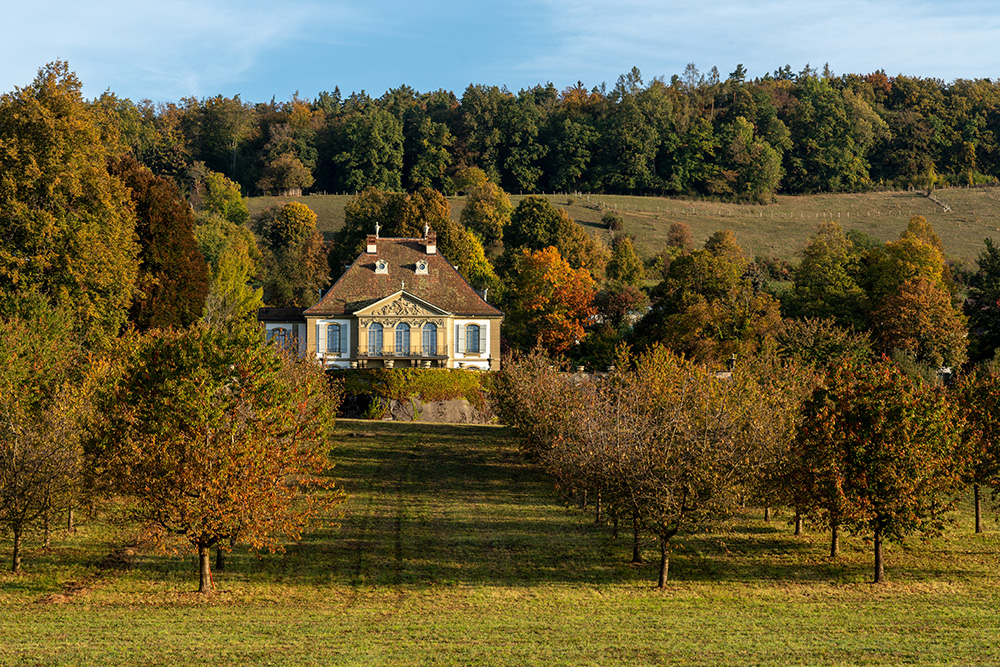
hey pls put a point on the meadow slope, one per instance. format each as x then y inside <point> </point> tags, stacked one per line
<point>779,230</point>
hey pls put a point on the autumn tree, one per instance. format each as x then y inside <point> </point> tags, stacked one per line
<point>624,265</point>
<point>920,320</point>
<point>68,224</point>
<point>173,277</point>
<point>284,175</point>
<point>915,255</point>
<point>708,306</point>
<point>536,224</point>
<point>295,265</point>
<point>983,304</point>
<point>549,302</point>
<point>215,194</point>
<point>679,236</point>
<point>233,259</point>
<point>978,396</point>
<point>487,212</point>
<point>531,398</point>
<point>662,440</point>
<point>42,402</point>
<point>216,436</point>
<point>884,462</point>
<point>826,280</point>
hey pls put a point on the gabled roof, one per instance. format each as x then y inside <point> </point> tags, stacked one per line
<point>400,303</point>
<point>442,287</point>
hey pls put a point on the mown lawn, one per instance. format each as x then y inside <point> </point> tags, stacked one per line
<point>452,551</point>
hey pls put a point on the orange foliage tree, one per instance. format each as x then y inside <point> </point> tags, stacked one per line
<point>881,451</point>
<point>920,320</point>
<point>549,302</point>
<point>215,435</point>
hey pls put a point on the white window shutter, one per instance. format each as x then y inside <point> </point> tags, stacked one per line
<point>460,337</point>
<point>343,340</point>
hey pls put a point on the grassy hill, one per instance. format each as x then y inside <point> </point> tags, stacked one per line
<point>778,230</point>
<point>451,550</point>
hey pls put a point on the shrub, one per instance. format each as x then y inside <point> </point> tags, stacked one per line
<point>612,220</point>
<point>426,384</point>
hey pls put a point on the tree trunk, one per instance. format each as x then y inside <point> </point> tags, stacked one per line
<point>664,561</point>
<point>979,509</point>
<point>614,524</point>
<point>767,513</point>
<point>15,565</point>
<point>220,558</point>
<point>70,525</point>
<point>636,552</point>
<point>879,568</point>
<point>47,526</point>
<point>834,541</point>
<point>204,569</point>
<point>597,512</point>
<point>798,522</point>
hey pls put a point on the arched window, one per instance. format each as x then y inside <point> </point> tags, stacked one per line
<point>430,339</point>
<point>472,338</point>
<point>281,336</point>
<point>375,340</point>
<point>402,339</point>
<point>333,338</point>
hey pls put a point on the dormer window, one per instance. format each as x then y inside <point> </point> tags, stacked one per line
<point>422,267</point>
<point>382,267</point>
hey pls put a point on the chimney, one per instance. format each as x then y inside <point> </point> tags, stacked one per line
<point>430,240</point>
<point>371,249</point>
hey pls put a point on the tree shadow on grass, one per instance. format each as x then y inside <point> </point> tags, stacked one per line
<point>437,504</point>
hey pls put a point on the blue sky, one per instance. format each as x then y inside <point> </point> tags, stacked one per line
<point>169,49</point>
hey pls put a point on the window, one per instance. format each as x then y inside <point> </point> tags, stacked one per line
<point>333,338</point>
<point>375,340</point>
<point>282,336</point>
<point>430,339</point>
<point>472,338</point>
<point>402,339</point>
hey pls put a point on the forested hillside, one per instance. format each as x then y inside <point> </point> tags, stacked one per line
<point>693,134</point>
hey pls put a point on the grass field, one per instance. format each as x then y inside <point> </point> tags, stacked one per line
<point>452,551</point>
<point>779,230</point>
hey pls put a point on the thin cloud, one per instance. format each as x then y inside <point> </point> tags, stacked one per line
<point>170,48</point>
<point>921,38</point>
<point>175,48</point>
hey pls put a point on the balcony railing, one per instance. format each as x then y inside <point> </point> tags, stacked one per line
<point>414,352</point>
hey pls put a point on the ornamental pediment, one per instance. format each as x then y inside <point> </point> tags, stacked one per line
<point>401,304</point>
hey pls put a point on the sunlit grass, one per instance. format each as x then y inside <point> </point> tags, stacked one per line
<point>778,230</point>
<point>452,550</point>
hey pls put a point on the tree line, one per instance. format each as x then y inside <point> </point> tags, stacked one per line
<point>694,134</point>
<point>665,445</point>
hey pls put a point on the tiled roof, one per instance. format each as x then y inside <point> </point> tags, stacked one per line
<point>443,286</point>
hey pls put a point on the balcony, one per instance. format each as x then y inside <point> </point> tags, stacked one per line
<point>413,352</point>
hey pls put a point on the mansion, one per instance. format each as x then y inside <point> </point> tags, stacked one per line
<point>400,304</point>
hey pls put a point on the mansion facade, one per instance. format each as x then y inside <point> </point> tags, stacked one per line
<point>400,304</point>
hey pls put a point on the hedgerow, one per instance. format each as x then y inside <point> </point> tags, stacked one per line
<point>425,384</point>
